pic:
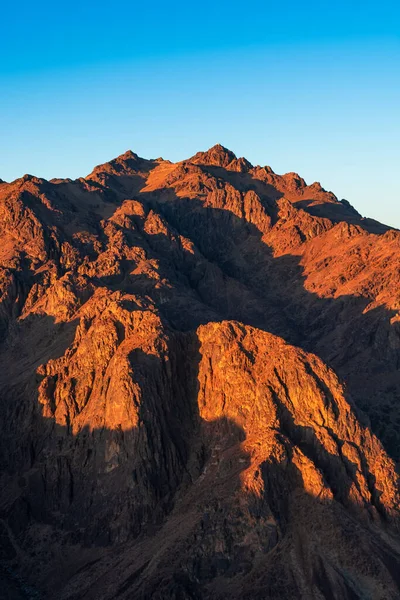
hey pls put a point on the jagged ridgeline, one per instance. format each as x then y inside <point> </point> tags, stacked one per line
<point>200,390</point>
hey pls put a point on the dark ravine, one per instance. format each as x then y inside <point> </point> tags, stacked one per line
<point>200,393</point>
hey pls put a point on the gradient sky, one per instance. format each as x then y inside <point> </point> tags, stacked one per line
<point>312,87</point>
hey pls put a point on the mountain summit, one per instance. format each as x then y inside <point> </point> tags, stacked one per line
<point>200,391</point>
<point>217,156</point>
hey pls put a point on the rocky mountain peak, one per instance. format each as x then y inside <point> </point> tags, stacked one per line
<point>127,163</point>
<point>218,156</point>
<point>199,397</point>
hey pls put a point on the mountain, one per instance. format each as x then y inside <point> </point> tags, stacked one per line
<point>200,392</point>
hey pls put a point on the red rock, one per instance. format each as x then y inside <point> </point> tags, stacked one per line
<point>199,397</point>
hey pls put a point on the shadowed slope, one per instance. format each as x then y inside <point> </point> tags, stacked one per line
<point>160,439</point>
<point>230,431</point>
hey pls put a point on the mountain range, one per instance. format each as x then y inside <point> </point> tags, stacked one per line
<point>200,388</point>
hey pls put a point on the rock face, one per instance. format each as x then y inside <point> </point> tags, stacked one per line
<point>200,392</point>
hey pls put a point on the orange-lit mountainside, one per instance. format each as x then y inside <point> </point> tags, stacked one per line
<point>200,387</point>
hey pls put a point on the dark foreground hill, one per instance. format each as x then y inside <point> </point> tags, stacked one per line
<point>200,387</point>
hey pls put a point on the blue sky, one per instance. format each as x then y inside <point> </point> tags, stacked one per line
<point>312,87</point>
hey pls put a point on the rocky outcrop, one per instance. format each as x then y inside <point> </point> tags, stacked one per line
<point>199,387</point>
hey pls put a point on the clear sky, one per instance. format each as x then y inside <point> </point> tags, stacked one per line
<point>312,87</point>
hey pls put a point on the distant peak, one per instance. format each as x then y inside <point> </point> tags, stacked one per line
<point>218,155</point>
<point>128,155</point>
<point>125,164</point>
<point>221,148</point>
<point>29,178</point>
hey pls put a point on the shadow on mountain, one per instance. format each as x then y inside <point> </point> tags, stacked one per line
<point>268,292</point>
<point>160,510</point>
<point>164,504</point>
<point>236,276</point>
<point>339,212</point>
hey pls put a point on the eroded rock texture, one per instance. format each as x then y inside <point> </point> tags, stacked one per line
<point>200,390</point>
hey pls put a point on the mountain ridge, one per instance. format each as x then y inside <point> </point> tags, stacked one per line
<point>199,356</point>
